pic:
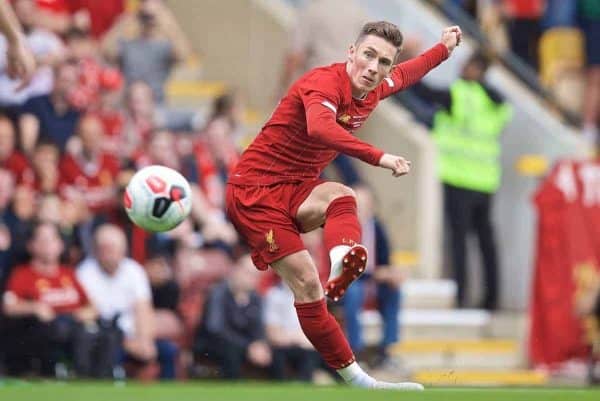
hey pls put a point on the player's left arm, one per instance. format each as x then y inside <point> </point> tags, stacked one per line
<point>410,72</point>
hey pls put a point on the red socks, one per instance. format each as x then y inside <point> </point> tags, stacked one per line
<point>341,223</point>
<point>324,332</point>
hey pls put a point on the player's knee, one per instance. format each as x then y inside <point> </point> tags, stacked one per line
<point>307,289</point>
<point>341,191</point>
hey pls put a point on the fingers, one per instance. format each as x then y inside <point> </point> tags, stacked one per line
<point>456,31</point>
<point>458,35</point>
<point>401,167</point>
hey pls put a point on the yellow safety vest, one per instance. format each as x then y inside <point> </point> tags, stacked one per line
<point>467,138</point>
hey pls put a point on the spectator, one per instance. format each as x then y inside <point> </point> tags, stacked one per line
<point>165,297</point>
<point>49,309</point>
<point>150,55</point>
<point>10,157</point>
<point>139,119</point>
<point>22,212</point>
<point>94,76</point>
<point>129,303</point>
<point>88,172</point>
<point>51,117</point>
<point>232,330</point>
<point>524,27</point>
<point>52,209</point>
<point>216,150</point>
<point>467,132</point>
<point>47,49</point>
<point>6,220</point>
<point>384,276</point>
<point>143,116</point>
<point>291,348</point>
<point>45,164</point>
<point>589,19</point>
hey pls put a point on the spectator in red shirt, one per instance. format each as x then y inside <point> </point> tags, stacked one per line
<point>140,117</point>
<point>215,149</point>
<point>94,75</point>
<point>10,158</point>
<point>89,172</point>
<point>51,311</point>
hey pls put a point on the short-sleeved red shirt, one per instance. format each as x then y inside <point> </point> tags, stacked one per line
<point>97,185</point>
<point>61,291</point>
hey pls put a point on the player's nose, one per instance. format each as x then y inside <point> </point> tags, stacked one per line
<point>372,68</point>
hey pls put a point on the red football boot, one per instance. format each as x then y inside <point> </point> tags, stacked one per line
<point>354,264</point>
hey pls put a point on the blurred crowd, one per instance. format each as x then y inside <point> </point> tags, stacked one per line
<point>557,38</point>
<point>84,292</point>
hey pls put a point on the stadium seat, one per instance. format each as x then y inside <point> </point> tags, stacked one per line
<point>560,49</point>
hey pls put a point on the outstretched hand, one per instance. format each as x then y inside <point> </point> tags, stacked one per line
<point>398,164</point>
<point>451,37</point>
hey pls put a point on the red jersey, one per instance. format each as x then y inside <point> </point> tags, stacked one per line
<point>61,291</point>
<point>96,182</point>
<point>317,118</point>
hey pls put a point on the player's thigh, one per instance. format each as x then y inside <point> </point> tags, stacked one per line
<point>311,213</point>
<point>299,272</point>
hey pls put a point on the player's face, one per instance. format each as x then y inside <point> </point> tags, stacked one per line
<point>369,62</point>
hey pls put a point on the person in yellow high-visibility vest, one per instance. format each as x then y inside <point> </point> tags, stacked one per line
<point>466,131</point>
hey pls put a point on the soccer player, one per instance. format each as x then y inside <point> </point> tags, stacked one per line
<point>275,193</point>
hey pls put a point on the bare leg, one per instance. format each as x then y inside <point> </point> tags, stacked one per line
<point>299,272</point>
<point>312,212</point>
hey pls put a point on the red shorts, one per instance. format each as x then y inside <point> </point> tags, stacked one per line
<point>266,217</point>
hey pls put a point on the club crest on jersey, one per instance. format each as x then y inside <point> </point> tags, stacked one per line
<point>270,238</point>
<point>344,118</point>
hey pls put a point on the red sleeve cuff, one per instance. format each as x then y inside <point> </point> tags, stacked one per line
<point>440,52</point>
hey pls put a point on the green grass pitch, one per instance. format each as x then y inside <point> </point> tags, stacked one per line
<point>241,391</point>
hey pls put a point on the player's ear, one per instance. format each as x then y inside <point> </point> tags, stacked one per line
<point>351,51</point>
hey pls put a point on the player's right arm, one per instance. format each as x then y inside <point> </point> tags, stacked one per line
<point>321,125</point>
<point>321,98</point>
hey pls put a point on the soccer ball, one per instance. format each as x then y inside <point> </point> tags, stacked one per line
<point>157,198</point>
